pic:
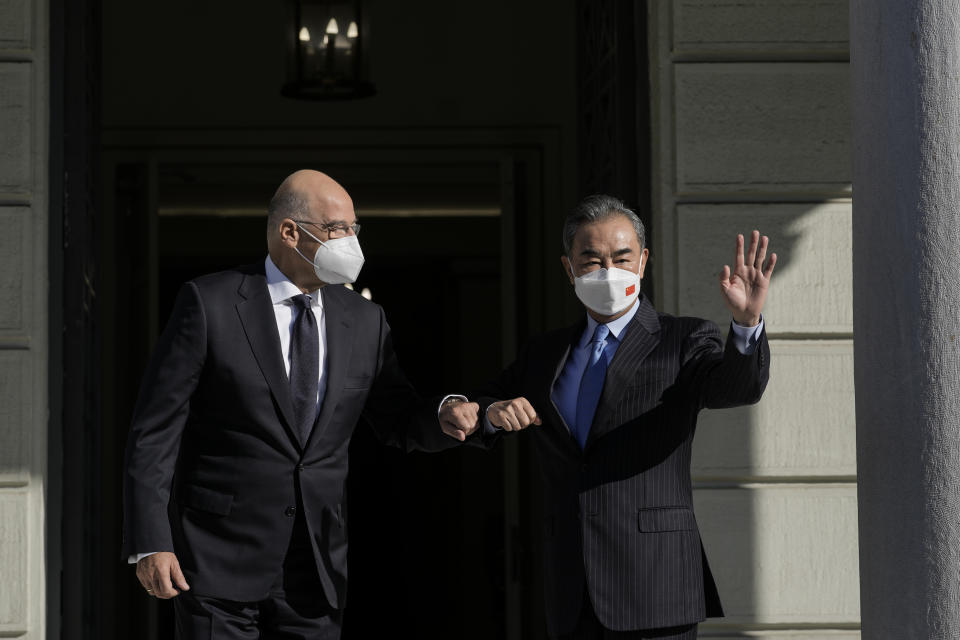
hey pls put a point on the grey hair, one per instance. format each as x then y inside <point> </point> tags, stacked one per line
<point>286,203</point>
<point>594,209</point>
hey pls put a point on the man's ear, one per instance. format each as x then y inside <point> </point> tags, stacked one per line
<point>567,268</point>
<point>288,232</point>
<point>644,259</point>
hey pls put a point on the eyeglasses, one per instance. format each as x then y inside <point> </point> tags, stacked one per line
<point>335,229</point>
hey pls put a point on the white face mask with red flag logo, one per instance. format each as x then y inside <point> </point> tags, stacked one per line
<point>608,291</point>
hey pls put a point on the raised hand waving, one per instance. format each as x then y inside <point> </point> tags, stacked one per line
<point>745,288</point>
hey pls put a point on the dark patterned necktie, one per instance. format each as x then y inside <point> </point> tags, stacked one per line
<point>304,366</point>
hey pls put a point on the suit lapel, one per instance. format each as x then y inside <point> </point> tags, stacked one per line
<point>339,346</point>
<point>556,358</point>
<point>260,326</point>
<point>641,336</point>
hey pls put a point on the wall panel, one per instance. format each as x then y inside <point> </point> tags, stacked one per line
<point>772,26</point>
<point>803,427</point>
<point>16,117</point>
<point>768,127</point>
<point>13,562</point>
<point>813,286</point>
<point>15,26</point>
<point>802,538</point>
<point>14,261</point>
<point>16,409</point>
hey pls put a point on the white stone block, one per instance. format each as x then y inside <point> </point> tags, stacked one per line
<point>15,411</point>
<point>16,115</point>
<point>14,586</point>
<point>762,127</point>
<point>783,554</point>
<point>775,26</point>
<point>811,290</point>
<point>15,25</point>
<point>804,426</point>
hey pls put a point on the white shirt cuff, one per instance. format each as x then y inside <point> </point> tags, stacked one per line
<point>745,338</point>
<point>134,559</point>
<point>447,397</point>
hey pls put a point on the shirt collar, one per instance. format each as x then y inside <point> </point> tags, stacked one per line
<point>280,287</point>
<point>616,327</point>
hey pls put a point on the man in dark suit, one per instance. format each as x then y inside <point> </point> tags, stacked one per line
<point>237,455</point>
<point>616,399</point>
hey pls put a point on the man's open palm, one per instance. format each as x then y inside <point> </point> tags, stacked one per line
<point>745,288</point>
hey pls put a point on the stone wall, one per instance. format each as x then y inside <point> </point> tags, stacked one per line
<point>751,130</point>
<point>23,315</point>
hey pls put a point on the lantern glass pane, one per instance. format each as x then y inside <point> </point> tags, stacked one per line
<point>325,57</point>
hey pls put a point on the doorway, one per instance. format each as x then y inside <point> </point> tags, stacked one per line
<point>425,529</point>
<point>434,266</point>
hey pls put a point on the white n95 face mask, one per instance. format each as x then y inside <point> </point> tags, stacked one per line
<point>607,292</point>
<point>336,261</point>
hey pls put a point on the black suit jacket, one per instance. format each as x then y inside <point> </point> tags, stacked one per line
<point>619,518</point>
<point>214,471</point>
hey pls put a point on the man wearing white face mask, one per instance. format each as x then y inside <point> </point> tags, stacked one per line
<point>614,402</point>
<point>237,455</point>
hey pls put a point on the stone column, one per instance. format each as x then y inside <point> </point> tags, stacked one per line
<point>905,68</point>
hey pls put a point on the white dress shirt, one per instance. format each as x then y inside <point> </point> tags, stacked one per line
<point>281,293</point>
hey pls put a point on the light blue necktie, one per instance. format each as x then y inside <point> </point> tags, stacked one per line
<point>591,385</point>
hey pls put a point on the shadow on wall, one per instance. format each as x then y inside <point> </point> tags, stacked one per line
<point>775,482</point>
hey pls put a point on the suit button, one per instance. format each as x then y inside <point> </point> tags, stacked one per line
<point>300,467</point>
<point>290,512</point>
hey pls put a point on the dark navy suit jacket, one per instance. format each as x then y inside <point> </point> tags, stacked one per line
<point>619,522</point>
<point>214,472</point>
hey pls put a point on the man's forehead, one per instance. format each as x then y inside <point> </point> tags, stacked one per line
<point>333,206</point>
<point>331,214</point>
<point>594,236</point>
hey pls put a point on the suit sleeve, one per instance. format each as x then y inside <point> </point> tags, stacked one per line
<point>395,411</point>
<point>158,422</point>
<point>719,376</point>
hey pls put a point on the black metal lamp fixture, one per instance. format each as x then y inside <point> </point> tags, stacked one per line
<point>326,55</point>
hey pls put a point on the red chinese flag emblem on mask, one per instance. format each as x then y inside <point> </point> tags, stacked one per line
<point>630,290</point>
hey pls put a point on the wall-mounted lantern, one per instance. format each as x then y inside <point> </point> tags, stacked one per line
<point>327,50</point>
